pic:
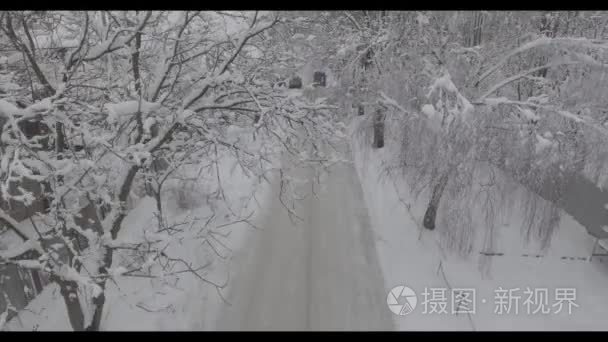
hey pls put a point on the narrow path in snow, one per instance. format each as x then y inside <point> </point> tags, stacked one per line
<point>318,273</point>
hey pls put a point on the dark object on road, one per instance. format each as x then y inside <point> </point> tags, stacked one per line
<point>295,83</point>
<point>431,212</point>
<point>361,110</point>
<point>319,79</point>
<point>379,129</point>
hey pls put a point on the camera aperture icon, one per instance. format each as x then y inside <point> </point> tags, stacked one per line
<point>401,300</point>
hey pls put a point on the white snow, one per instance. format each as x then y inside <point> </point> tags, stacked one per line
<point>429,110</point>
<point>120,270</point>
<point>444,82</point>
<point>570,116</point>
<point>184,115</point>
<point>9,86</point>
<point>543,143</point>
<point>41,106</point>
<point>116,110</point>
<point>493,101</point>
<point>3,317</point>
<point>69,273</point>
<point>176,17</point>
<point>422,19</point>
<point>18,249</point>
<point>31,264</point>
<point>462,108</point>
<point>46,312</point>
<point>528,114</point>
<point>411,258</point>
<point>7,109</point>
<point>55,40</point>
<point>603,244</point>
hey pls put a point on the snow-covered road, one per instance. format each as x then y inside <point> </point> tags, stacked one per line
<point>317,273</point>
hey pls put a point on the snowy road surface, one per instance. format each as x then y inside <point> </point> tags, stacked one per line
<point>319,273</point>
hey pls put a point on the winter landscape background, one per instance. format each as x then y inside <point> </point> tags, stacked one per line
<point>303,170</point>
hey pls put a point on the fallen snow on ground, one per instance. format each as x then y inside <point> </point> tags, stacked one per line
<point>417,261</point>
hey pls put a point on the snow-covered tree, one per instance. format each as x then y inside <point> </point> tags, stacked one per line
<point>478,93</point>
<point>121,102</point>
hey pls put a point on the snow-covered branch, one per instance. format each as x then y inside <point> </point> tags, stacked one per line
<point>113,43</point>
<point>197,94</point>
<point>544,41</point>
<point>520,75</point>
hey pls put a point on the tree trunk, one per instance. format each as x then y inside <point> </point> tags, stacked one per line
<point>431,211</point>
<point>473,38</point>
<point>69,292</point>
<point>379,129</point>
<point>478,29</point>
<point>99,301</point>
<point>37,281</point>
